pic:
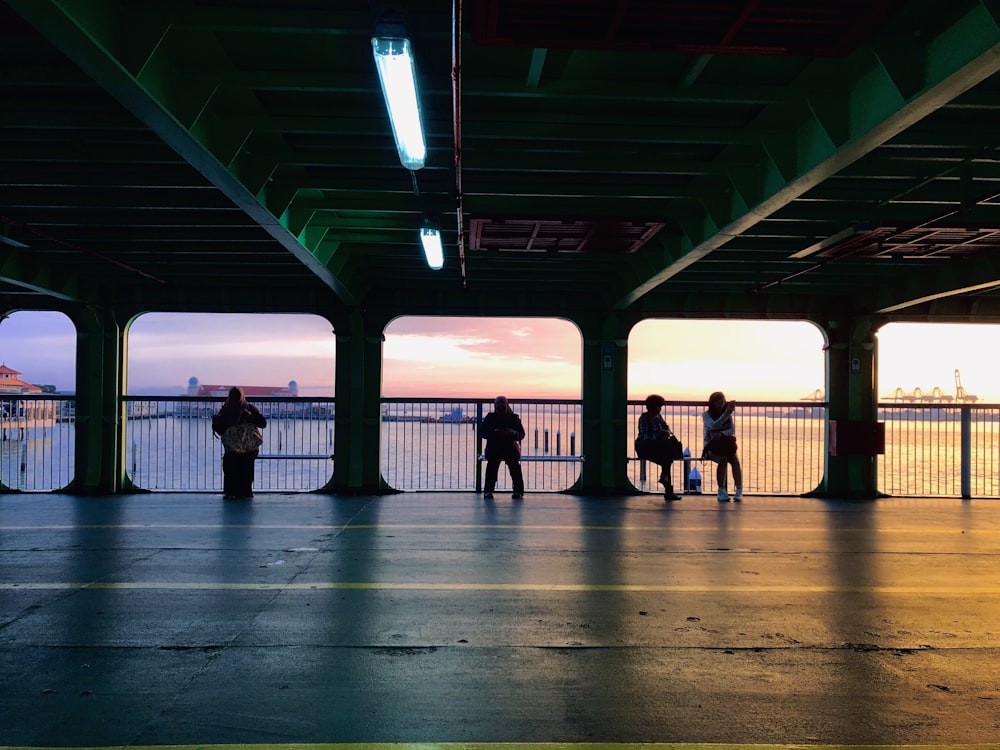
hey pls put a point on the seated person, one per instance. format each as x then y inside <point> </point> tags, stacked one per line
<point>656,443</point>
<point>720,443</point>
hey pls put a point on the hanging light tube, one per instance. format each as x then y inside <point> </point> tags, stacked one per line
<point>430,238</point>
<point>397,74</point>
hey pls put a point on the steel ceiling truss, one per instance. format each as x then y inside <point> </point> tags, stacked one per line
<point>789,156</point>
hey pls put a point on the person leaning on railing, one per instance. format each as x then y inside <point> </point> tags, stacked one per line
<point>503,432</point>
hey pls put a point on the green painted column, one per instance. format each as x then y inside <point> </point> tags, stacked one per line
<point>357,428</point>
<point>605,397</point>
<point>100,383</point>
<point>851,377</point>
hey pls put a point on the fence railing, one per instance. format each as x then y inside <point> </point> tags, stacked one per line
<point>37,442</point>
<point>932,450</point>
<point>940,450</point>
<point>169,444</point>
<point>433,444</point>
<point>781,447</point>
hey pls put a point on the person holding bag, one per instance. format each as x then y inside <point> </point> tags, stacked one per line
<point>238,424</point>
<point>658,444</point>
<point>720,443</point>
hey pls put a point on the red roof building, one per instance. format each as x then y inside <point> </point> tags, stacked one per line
<point>250,391</point>
<point>10,383</point>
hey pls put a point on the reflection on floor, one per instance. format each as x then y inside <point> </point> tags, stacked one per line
<point>184,619</point>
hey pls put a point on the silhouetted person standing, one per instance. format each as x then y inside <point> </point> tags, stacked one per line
<point>241,447</point>
<point>503,432</point>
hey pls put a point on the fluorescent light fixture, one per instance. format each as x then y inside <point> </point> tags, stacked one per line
<point>397,74</point>
<point>6,239</point>
<point>430,238</point>
<point>12,242</point>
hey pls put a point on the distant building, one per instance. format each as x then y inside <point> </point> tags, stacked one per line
<point>11,384</point>
<point>250,391</point>
<point>17,413</point>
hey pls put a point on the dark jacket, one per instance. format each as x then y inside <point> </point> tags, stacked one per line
<point>499,443</point>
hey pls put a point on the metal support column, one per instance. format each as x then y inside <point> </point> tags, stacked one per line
<point>357,428</point>
<point>604,412</point>
<point>851,375</point>
<point>966,412</point>
<point>100,418</point>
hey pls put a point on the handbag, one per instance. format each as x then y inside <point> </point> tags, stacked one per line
<point>648,450</point>
<point>675,450</point>
<point>242,437</point>
<point>721,445</point>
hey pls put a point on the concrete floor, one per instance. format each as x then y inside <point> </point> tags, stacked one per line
<point>182,619</point>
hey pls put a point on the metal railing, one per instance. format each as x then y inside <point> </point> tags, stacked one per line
<point>931,450</point>
<point>781,447</point>
<point>433,444</point>
<point>37,442</point>
<point>934,450</point>
<point>169,444</point>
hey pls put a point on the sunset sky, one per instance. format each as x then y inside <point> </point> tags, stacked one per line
<point>522,357</point>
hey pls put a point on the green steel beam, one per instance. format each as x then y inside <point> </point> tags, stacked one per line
<point>938,280</point>
<point>18,267</point>
<point>92,37</point>
<point>830,131</point>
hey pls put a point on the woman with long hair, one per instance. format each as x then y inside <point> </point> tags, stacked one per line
<point>720,443</point>
<point>239,456</point>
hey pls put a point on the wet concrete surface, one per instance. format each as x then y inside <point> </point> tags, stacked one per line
<point>440,617</point>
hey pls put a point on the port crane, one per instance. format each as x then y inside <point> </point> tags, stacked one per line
<point>936,395</point>
<point>960,395</point>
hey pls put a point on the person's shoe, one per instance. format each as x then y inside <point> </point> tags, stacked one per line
<point>229,497</point>
<point>487,496</point>
<point>739,495</point>
<point>517,495</point>
<point>723,497</point>
<point>671,496</point>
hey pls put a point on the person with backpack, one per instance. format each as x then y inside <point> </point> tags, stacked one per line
<point>238,424</point>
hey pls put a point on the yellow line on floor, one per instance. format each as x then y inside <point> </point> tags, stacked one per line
<point>923,531</point>
<point>527,587</point>
<point>531,746</point>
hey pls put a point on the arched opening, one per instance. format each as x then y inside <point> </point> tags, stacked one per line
<point>775,372</point>
<point>440,376</point>
<point>37,384</point>
<point>939,401</point>
<point>180,368</point>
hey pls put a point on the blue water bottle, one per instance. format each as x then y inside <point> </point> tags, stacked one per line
<point>694,481</point>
